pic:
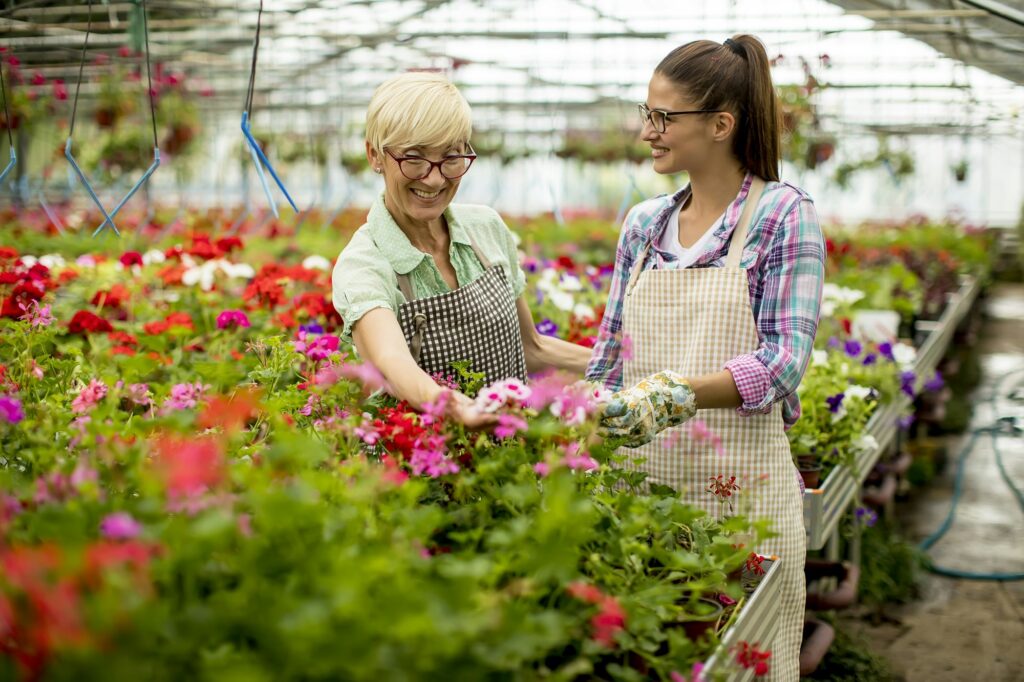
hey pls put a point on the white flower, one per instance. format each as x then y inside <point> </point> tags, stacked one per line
<point>904,355</point>
<point>583,311</point>
<point>840,413</point>
<point>819,358</point>
<point>841,295</point>
<point>153,256</point>
<point>865,444</point>
<point>29,261</point>
<point>561,299</point>
<point>828,308</point>
<point>52,260</point>
<point>498,394</point>
<point>201,275</point>
<point>316,262</point>
<point>237,270</point>
<point>571,283</point>
<point>858,392</point>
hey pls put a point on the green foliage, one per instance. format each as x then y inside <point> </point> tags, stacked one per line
<point>891,568</point>
<point>850,659</point>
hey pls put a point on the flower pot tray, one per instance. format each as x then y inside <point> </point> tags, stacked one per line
<point>881,495</point>
<point>754,620</point>
<point>824,506</point>
<point>844,595</point>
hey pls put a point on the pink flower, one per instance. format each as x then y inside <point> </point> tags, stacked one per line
<point>696,674</point>
<point>89,396</point>
<point>311,402</point>
<point>365,374</point>
<point>428,456</point>
<point>120,526</point>
<point>509,425</point>
<point>10,409</point>
<point>139,395</point>
<point>502,393</point>
<point>367,432</point>
<point>37,315</point>
<point>316,348</point>
<point>700,433</point>
<point>541,469</point>
<point>184,396</point>
<point>434,411</point>
<point>245,525</point>
<point>231,319</point>
<point>575,460</point>
<point>626,348</point>
<point>610,619</point>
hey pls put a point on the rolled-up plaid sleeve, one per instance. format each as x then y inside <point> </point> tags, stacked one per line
<point>606,364</point>
<point>786,313</point>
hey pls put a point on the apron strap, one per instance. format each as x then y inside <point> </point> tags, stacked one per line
<point>638,267</point>
<point>404,285</point>
<point>739,235</point>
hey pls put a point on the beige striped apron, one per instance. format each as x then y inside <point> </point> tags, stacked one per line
<point>693,321</point>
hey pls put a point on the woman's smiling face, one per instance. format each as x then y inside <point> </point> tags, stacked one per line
<point>416,201</point>
<point>687,140</point>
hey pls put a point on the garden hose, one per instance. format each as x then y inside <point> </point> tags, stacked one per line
<point>1003,426</point>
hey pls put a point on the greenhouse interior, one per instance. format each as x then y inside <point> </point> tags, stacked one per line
<point>713,370</point>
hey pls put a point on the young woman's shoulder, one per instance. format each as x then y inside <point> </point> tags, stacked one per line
<point>783,197</point>
<point>643,216</point>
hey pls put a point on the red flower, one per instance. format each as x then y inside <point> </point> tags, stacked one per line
<point>585,592</point>
<point>155,328</point>
<point>180,319</point>
<point>609,620</point>
<point>750,657</point>
<point>103,555</point>
<point>754,563</point>
<point>230,413</point>
<point>130,258</point>
<point>566,263</point>
<point>122,338</point>
<point>229,244</point>
<point>189,467</point>
<point>8,253</point>
<point>116,297</point>
<point>85,322</point>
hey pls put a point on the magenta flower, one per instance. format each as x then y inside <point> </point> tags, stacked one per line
<point>37,315</point>
<point>89,396</point>
<point>316,348</point>
<point>10,409</point>
<point>509,425</point>
<point>232,319</point>
<point>541,469</point>
<point>120,526</point>
<point>428,457</point>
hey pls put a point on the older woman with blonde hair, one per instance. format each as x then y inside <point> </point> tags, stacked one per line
<point>425,282</point>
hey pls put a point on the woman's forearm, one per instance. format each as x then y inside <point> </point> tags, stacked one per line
<point>548,352</point>
<point>714,391</point>
<point>378,339</point>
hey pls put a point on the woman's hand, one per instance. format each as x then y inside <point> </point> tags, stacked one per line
<point>462,409</point>
<point>639,413</point>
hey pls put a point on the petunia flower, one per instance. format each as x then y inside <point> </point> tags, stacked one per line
<point>120,526</point>
<point>10,409</point>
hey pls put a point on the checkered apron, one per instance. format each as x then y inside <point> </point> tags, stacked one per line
<point>693,321</point>
<point>476,322</point>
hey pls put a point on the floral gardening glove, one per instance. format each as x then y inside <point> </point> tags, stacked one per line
<point>654,404</point>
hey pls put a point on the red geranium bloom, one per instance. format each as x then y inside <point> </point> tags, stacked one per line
<point>130,258</point>
<point>229,244</point>
<point>155,328</point>
<point>85,322</point>
<point>116,297</point>
<point>180,319</point>
<point>609,620</point>
<point>123,338</point>
<point>189,467</point>
<point>8,253</point>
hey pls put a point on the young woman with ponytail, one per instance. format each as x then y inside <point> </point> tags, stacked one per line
<point>717,288</point>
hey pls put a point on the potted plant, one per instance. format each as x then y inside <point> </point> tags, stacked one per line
<point>960,170</point>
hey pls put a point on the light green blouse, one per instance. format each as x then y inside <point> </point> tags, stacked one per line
<point>365,277</point>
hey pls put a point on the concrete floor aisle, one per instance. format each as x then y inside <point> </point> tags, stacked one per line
<point>970,630</point>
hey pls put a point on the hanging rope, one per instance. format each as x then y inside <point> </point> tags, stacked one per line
<point>108,217</point>
<point>9,125</point>
<point>258,157</point>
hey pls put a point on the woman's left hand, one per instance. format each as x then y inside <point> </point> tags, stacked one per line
<point>655,403</point>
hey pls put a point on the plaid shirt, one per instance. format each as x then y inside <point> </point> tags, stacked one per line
<point>785,262</point>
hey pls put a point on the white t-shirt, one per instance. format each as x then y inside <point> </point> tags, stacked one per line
<point>670,240</point>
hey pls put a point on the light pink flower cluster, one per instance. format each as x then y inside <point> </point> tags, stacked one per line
<point>230,319</point>
<point>577,460</point>
<point>37,315</point>
<point>510,392</point>
<point>185,396</point>
<point>509,425</point>
<point>572,402</point>
<point>89,396</point>
<point>57,487</point>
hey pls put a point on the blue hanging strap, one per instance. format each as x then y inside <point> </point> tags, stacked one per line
<point>108,217</point>
<point>8,122</point>
<point>259,158</point>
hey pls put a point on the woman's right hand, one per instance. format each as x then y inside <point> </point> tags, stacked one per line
<point>462,409</point>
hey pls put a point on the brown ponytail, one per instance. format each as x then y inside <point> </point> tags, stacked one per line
<point>734,76</point>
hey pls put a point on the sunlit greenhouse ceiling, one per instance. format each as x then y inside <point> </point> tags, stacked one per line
<point>922,84</point>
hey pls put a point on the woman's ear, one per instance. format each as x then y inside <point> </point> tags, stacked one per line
<point>724,126</point>
<point>376,162</point>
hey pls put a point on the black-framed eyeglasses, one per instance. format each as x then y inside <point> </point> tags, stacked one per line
<point>659,118</point>
<point>452,167</point>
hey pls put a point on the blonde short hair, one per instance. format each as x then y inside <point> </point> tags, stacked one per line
<point>418,108</point>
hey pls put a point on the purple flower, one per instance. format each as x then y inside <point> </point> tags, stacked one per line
<point>935,383</point>
<point>312,328</point>
<point>907,380</point>
<point>120,526</point>
<point>869,359</point>
<point>10,409</point>
<point>853,348</point>
<point>834,402</point>
<point>866,516</point>
<point>886,350</point>
<point>529,264</point>
<point>547,327</point>
<point>229,319</point>
<point>905,422</point>
<point>833,342</point>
